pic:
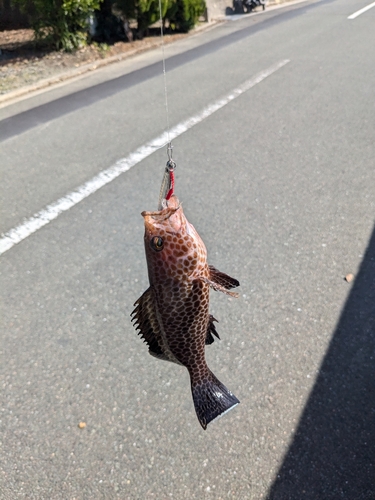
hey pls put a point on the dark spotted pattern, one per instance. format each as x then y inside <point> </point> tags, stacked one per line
<point>172,315</point>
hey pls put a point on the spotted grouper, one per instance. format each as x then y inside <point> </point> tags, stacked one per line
<point>172,315</point>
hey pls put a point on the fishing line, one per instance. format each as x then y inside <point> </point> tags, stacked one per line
<point>164,72</point>
<point>167,185</point>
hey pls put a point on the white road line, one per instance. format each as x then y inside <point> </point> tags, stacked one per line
<point>359,12</point>
<point>52,211</point>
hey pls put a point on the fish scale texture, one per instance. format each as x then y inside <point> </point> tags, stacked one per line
<point>172,316</point>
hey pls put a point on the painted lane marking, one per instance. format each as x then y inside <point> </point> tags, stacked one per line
<point>51,212</point>
<point>359,12</point>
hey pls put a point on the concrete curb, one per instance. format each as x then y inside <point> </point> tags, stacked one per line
<point>13,95</point>
<point>54,81</point>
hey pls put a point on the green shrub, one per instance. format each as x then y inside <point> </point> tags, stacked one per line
<point>62,24</point>
<point>145,12</point>
<point>184,14</point>
<point>181,14</point>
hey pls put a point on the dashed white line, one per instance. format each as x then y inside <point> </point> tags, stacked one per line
<point>51,212</point>
<point>361,11</point>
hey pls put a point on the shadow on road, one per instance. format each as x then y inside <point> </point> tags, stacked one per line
<point>332,455</point>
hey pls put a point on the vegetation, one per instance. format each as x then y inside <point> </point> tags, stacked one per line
<point>184,14</point>
<point>145,12</point>
<point>62,24</point>
<point>70,24</point>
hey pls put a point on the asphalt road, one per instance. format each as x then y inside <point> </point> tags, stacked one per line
<point>280,184</point>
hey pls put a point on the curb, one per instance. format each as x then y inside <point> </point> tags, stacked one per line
<point>54,81</point>
<point>86,68</point>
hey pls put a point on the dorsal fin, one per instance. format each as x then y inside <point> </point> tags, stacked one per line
<point>145,320</point>
<point>142,318</point>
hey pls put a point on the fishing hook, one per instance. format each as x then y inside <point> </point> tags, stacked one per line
<point>167,185</point>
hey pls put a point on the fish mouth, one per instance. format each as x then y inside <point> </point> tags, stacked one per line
<point>170,218</point>
<point>161,215</point>
<point>165,213</point>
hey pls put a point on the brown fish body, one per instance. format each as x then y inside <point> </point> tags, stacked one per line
<point>173,314</point>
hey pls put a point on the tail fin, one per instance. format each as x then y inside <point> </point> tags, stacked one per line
<point>211,399</point>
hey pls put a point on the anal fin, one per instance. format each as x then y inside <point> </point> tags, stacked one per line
<point>211,330</point>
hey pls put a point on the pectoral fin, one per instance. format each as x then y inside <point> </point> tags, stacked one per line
<point>219,288</point>
<point>222,279</point>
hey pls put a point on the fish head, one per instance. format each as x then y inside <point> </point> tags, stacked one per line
<point>173,247</point>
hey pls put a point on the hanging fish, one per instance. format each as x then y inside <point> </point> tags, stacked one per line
<point>172,314</point>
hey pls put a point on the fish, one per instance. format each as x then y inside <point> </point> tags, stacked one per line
<point>172,315</point>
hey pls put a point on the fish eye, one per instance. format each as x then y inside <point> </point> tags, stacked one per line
<point>157,243</point>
